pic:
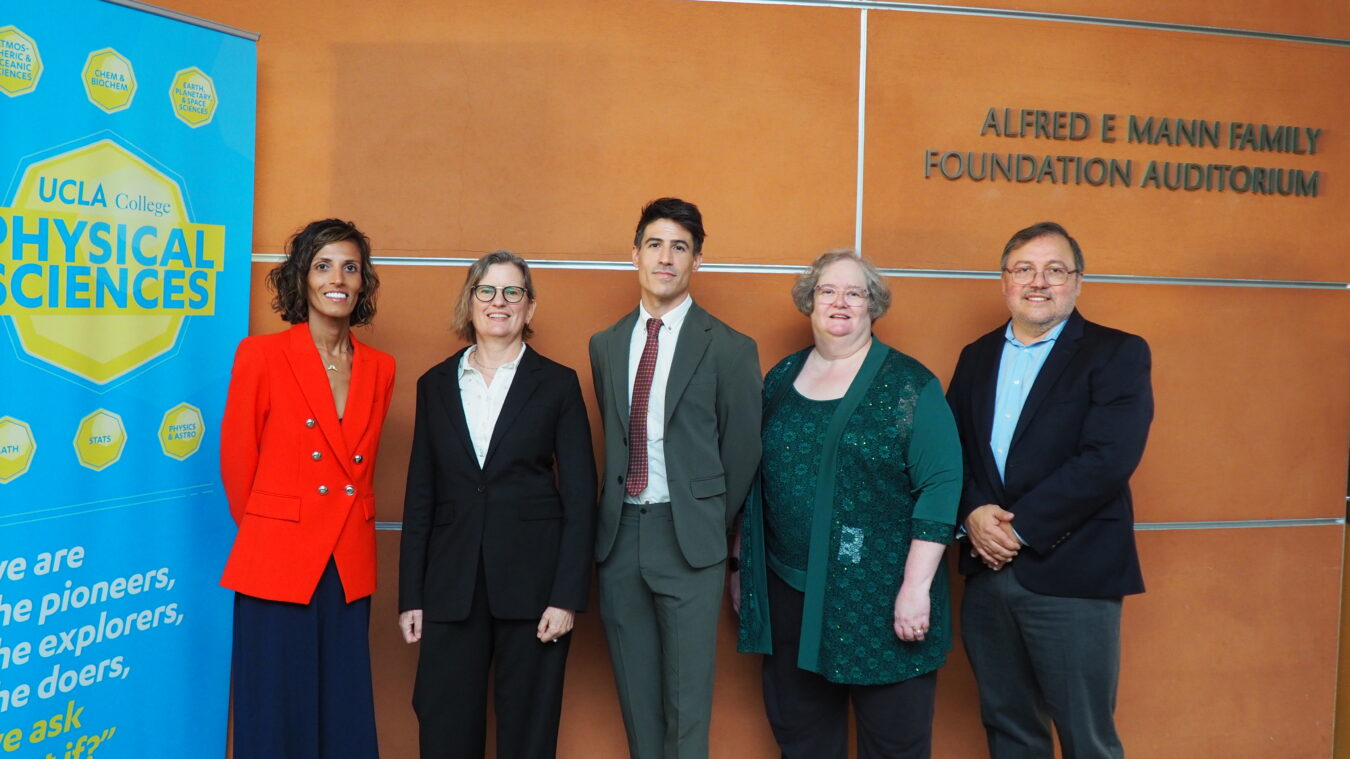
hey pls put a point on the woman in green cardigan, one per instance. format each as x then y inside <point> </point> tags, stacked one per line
<point>842,584</point>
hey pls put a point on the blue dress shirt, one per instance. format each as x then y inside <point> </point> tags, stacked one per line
<point>1017,371</point>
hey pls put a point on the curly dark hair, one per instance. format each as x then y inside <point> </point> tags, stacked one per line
<point>289,281</point>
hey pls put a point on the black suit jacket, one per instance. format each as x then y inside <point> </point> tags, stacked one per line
<point>1079,438</point>
<point>529,511</point>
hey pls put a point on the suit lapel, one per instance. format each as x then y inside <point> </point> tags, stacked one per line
<point>523,386</point>
<point>689,348</point>
<point>447,391</point>
<point>310,375</point>
<point>360,395</point>
<point>1061,354</point>
<point>620,338</point>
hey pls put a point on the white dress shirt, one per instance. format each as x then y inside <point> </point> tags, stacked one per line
<point>657,490</point>
<point>483,402</point>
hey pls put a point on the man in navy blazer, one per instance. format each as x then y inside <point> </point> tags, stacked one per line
<point>1053,413</point>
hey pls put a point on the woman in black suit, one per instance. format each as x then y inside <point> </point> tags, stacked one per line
<point>498,526</point>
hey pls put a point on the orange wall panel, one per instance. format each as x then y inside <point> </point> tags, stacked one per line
<point>931,79</point>
<point>1232,651</point>
<point>455,128</point>
<point>1250,424</point>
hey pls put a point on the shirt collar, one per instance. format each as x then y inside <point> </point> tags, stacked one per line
<point>465,366</point>
<point>671,320</point>
<point>1049,337</point>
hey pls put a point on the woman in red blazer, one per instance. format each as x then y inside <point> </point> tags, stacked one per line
<point>498,527</point>
<point>297,457</point>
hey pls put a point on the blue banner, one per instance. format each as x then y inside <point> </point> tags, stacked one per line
<point>126,170</point>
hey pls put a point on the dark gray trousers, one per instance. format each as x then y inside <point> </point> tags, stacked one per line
<point>1040,660</point>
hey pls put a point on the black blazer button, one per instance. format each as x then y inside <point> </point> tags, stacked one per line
<point>481,488</point>
<point>619,479</point>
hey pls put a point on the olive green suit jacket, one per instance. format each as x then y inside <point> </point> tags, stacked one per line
<point>712,416</point>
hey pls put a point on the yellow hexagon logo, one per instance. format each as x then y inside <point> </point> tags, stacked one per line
<point>100,439</point>
<point>193,95</point>
<point>180,433</point>
<point>109,81</point>
<point>123,263</point>
<point>17,447</point>
<point>20,63</point>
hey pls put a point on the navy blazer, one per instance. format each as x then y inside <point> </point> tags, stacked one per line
<point>529,511</point>
<point>1079,438</point>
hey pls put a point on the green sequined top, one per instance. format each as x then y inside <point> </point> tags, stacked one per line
<point>894,475</point>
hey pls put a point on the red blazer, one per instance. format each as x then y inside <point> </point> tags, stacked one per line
<point>299,481</point>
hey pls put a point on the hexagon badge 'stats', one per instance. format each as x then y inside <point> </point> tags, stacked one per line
<point>100,439</point>
<point>17,447</point>
<point>109,81</point>
<point>193,96</point>
<point>101,229</point>
<point>20,62</point>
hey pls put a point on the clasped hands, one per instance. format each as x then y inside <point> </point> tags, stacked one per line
<point>553,624</point>
<point>992,539</point>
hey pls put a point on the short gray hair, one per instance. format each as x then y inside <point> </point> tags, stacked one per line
<point>804,289</point>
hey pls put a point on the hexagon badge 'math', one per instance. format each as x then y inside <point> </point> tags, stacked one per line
<point>100,439</point>
<point>109,80</point>
<point>20,62</point>
<point>17,447</point>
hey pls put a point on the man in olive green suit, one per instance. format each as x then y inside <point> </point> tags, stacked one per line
<point>680,392</point>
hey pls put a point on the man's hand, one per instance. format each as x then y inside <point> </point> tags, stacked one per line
<point>991,535</point>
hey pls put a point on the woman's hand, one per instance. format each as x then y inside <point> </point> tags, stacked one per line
<point>911,613</point>
<point>554,624</point>
<point>410,622</point>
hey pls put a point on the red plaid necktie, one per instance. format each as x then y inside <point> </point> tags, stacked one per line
<point>636,479</point>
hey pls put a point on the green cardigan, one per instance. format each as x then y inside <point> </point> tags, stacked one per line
<point>850,589</point>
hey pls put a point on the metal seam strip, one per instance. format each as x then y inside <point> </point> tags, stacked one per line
<point>708,266</point>
<point>1069,18</point>
<point>862,129</point>
<point>1141,526</point>
<point>180,16</point>
<point>1239,524</point>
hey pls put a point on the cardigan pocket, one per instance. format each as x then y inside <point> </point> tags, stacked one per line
<point>273,506</point>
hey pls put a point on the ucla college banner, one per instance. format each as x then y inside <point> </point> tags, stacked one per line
<point>126,186</point>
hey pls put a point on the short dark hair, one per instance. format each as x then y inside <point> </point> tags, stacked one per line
<point>289,281</point>
<point>1024,236</point>
<point>463,323</point>
<point>679,211</point>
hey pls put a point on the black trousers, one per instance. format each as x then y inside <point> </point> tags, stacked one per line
<point>302,676</point>
<point>809,714</point>
<point>450,695</point>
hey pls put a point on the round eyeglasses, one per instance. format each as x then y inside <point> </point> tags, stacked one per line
<point>488,293</point>
<point>853,296</point>
<point>1025,275</point>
